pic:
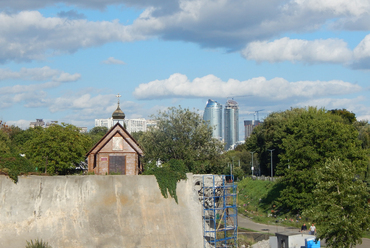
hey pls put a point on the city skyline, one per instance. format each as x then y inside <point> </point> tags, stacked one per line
<point>66,60</point>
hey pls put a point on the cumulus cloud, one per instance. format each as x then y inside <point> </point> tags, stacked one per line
<point>16,89</point>
<point>316,51</point>
<point>178,85</point>
<point>101,4</point>
<point>337,7</point>
<point>113,61</point>
<point>38,74</point>
<point>330,50</point>
<point>32,95</point>
<point>28,35</point>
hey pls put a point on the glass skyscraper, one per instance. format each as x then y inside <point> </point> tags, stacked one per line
<point>213,115</point>
<point>231,125</point>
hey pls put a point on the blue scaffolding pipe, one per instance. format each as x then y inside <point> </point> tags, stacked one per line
<point>218,215</point>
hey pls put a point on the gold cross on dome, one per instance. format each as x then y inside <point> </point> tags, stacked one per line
<point>118,96</point>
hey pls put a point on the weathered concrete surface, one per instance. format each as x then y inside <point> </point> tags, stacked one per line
<point>98,211</point>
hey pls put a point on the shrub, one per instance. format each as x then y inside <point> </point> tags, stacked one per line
<point>37,244</point>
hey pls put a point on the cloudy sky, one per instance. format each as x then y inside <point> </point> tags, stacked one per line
<point>66,60</point>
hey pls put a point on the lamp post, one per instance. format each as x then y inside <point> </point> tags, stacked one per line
<point>272,175</point>
<point>252,162</point>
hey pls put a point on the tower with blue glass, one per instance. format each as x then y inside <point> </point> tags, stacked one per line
<point>213,115</point>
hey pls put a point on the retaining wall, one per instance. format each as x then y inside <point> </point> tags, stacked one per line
<point>98,211</point>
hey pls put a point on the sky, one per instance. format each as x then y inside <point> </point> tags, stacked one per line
<point>67,60</point>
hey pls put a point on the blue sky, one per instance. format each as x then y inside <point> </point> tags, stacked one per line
<point>66,60</point>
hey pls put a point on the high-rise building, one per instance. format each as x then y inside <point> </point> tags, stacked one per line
<point>249,125</point>
<point>213,115</point>
<point>231,117</point>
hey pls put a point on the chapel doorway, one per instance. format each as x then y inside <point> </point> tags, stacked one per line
<point>117,164</point>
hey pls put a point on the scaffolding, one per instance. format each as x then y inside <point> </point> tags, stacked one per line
<point>220,221</point>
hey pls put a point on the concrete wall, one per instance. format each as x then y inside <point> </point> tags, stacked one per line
<point>98,211</point>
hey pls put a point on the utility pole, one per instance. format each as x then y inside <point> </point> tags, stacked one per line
<point>272,175</point>
<point>252,162</point>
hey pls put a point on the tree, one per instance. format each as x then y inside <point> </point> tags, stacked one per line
<point>11,162</point>
<point>345,114</point>
<point>4,142</point>
<point>96,134</point>
<point>242,161</point>
<point>59,147</point>
<point>183,135</point>
<point>341,208</point>
<point>303,139</point>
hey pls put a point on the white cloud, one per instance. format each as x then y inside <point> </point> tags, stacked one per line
<point>66,77</point>
<point>113,61</point>
<point>316,51</point>
<point>38,74</point>
<point>337,7</point>
<point>362,50</point>
<point>178,85</point>
<point>24,124</point>
<point>28,35</point>
<point>355,105</point>
<point>330,50</point>
<point>16,89</point>
<point>32,95</point>
<point>81,102</point>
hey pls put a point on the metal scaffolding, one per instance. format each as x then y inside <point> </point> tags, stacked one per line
<point>220,221</point>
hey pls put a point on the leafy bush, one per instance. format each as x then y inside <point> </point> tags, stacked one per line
<point>37,244</point>
<point>14,165</point>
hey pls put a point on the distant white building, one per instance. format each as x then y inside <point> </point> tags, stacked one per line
<point>135,125</point>
<point>132,125</point>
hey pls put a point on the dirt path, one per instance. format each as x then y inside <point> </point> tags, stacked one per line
<point>273,228</point>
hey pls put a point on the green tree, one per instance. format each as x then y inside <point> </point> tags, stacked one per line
<point>345,114</point>
<point>60,146</point>
<point>341,208</point>
<point>303,139</point>
<point>183,135</point>
<point>364,133</point>
<point>242,161</point>
<point>96,134</point>
<point>11,162</point>
<point>4,142</point>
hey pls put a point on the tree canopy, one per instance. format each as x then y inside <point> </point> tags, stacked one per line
<point>96,133</point>
<point>303,139</point>
<point>181,134</point>
<point>59,147</point>
<point>341,208</point>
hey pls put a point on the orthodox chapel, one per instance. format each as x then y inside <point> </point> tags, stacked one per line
<point>117,152</point>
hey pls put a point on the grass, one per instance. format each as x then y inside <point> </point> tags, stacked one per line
<point>256,200</point>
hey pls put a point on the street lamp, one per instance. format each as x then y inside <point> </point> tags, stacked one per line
<point>272,175</point>
<point>252,162</point>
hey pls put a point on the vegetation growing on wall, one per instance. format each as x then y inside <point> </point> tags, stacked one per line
<point>37,244</point>
<point>168,175</point>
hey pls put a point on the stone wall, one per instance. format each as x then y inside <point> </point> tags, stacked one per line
<point>98,211</point>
